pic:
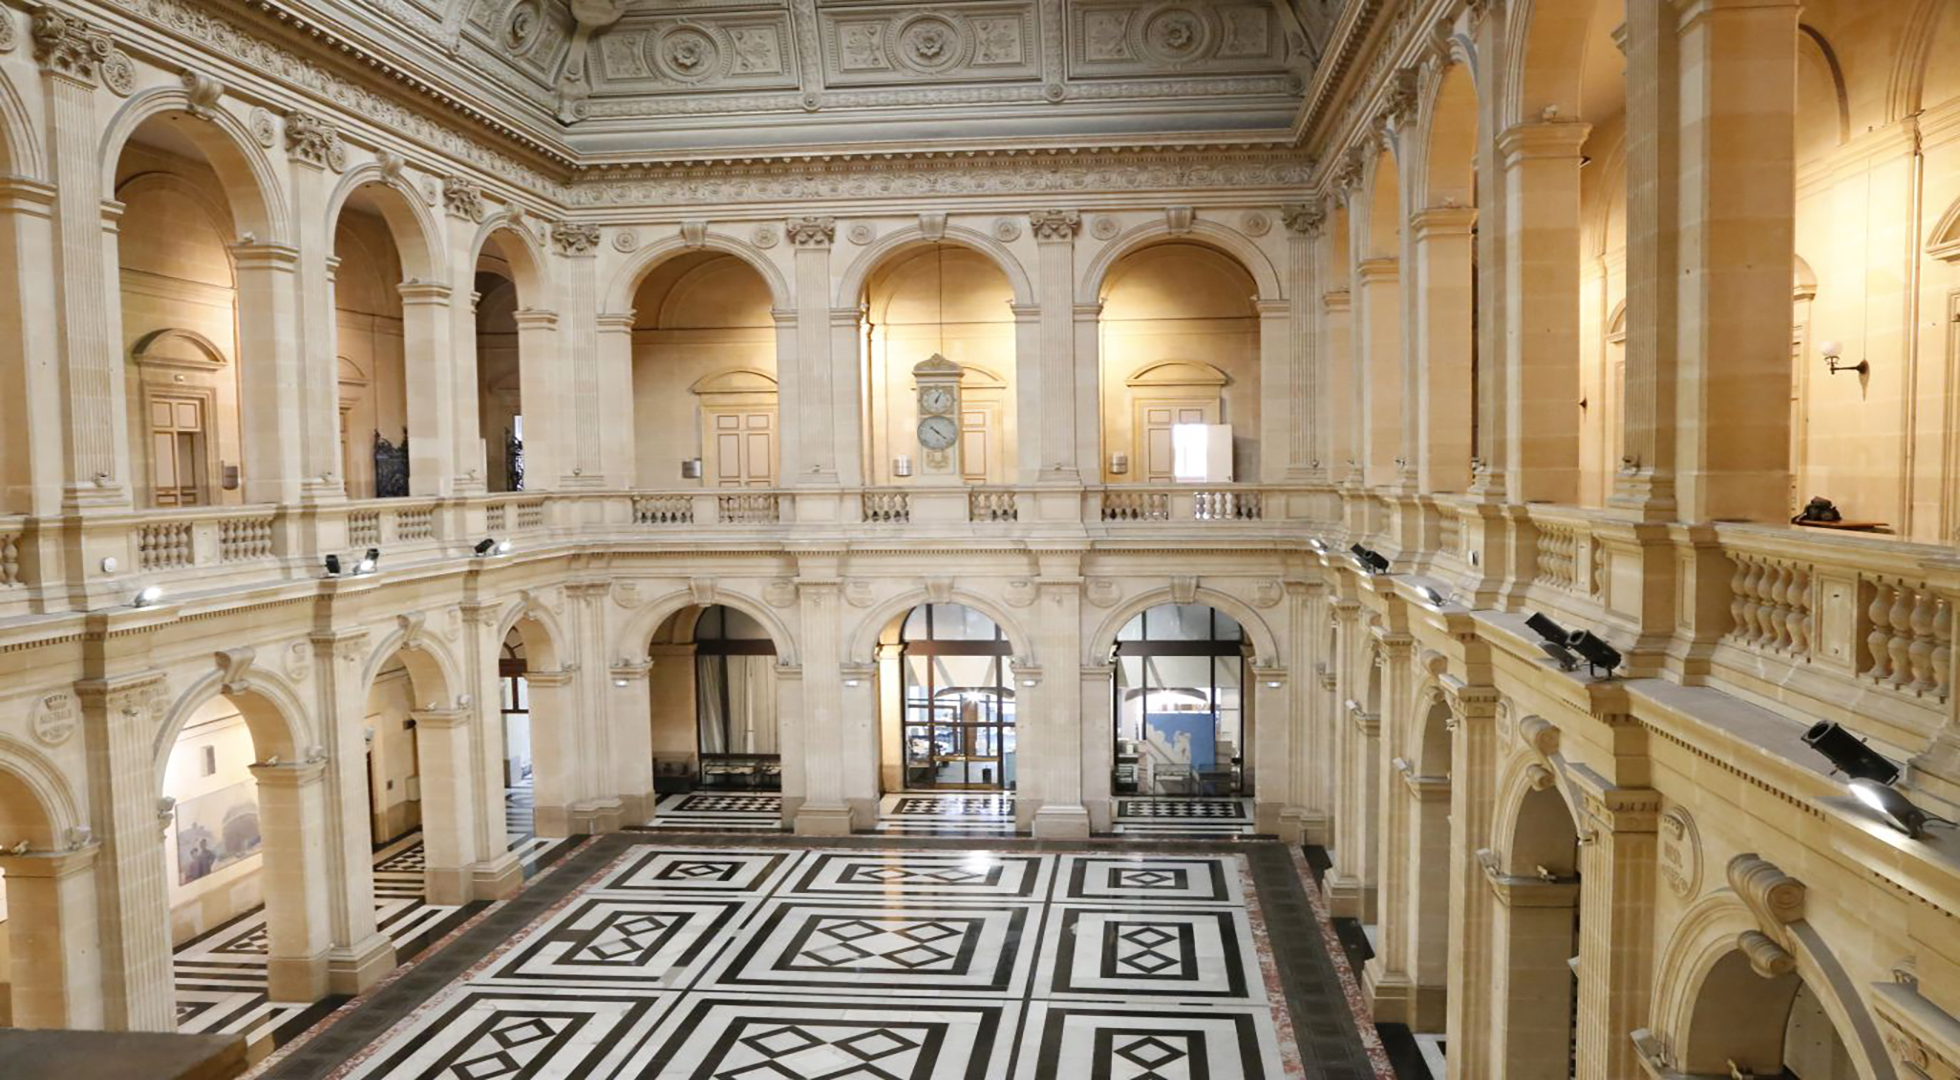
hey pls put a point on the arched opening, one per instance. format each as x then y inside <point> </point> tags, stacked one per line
<point>499,388</point>
<point>371,347</point>
<point>1180,367</point>
<point>29,476</point>
<point>1427,786</point>
<point>1766,1026</point>
<point>714,704</point>
<point>705,404</point>
<point>939,300</point>
<point>1183,726</point>
<point>1444,235</point>
<point>422,815</point>
<point>946,705</point>
<point>1378,322</point>
<point>183,383</point>
<point>514,705</point>
<point>48,970</point>
<point>1537,939</point>
<point>244,867</point>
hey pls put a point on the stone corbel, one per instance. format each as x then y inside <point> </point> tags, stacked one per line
<point>1539,778</point>
<point>1184,589</point>
<point>412,624</point>
<point>1179,219</point>
<point>1541,735</point>
<point>1766,957</point>
<point>939,590</point>
<point>204,92</point>
<point>1027,673</point>
<point>234,666</point>
<point>932,226</point>
<point>701,591</point>
<point>1775,898</point>
<point>694,233</point>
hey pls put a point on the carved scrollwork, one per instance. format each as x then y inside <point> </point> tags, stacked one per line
<point>575,238</point>
<point>313,140</point>
<point>463,199</point>
<point>812,232</point>
<point>1055,224</point>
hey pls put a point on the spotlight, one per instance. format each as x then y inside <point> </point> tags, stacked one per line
<point>1599,655</point>
<point>505,547</point>
<point>1849,755</point>
<point>1555,639</point>
<point>1896,808</point>
<point>147,596</point>
<point>368,561</point>
<point>333,566</point>
<point>1433,595</point>
<point>1370,560</point>
<point>485,546</point>
<point>1319,545</point>
<point>619,682</point>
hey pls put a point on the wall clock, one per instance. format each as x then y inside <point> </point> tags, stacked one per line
<point>938,432</point>
<point>937,400</point>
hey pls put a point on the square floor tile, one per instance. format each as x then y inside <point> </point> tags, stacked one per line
<point>506,1033</point>
<point>918,948</point>
<point>1151,879</point>
<point>698,872</point>
<point>638,942</point>
<point>1149,953</point>
<point>1070,1042</point>
<point>743,1037</point>
<point>902,875</point>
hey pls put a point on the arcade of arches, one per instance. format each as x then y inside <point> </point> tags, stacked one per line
<point>466,451</point>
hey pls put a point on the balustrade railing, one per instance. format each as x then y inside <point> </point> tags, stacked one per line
<point>663,509</point>
<point>246,538</point>
<point>886,507</point>
<point>10,572</point>
<point>364,528</point>
<point>1771,605</point>
<point>1909,646</point>
<point>992,505</point>
<point>163,545</point>
<point>1121,505</point>
<point>749,508</point>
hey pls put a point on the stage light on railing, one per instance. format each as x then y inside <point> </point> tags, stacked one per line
<point>1374,562</point>
<point>333,566</point>
<point>1432,595</point>
<point>1892,804</point>
<point>1319,545</point>
<point>619,682</point>
<point>146,596</point>
<point>1849,755</point>
<point>368,562</point>
<point>1554,643</point>
<point>490,545</point>
<point>1599,655</point>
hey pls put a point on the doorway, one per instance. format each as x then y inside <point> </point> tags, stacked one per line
<point>956,713</point>
<point>1181,724</point>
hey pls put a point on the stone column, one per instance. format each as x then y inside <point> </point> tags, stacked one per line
<point>1277,364</point>
<point>1441,347</point>
<point>790,709</point>
<point>88,321</point>
<point>1304,460</point>
<point>1056,624</point>
<point>1339,452</point>
<point>319,330</point>
<point>1530,983</point>
<point>554,753</point>
<point>269,370</point>
<point>497,872</point>
<point>1378,368</point>
<point>1428,878</point>
<point>1344,879</point>
<point>584,412</point>
<point>359,954</point>
<point>426,321</point>
<point>627,711</point>
<point>1618,862</point>
<point>293,879</point>
<point>599,808</point>
<point>1273,751</point>
<point>1098,743</point>
<point>120,717</point>
<point>1541,310</point>
<point>844,428</point>
<point>823,811</point>
<point>442,753</point>
<point>51,933</point>
<point>816,404</point>
<point>620,443</point>
<point>1060,372</point>
<point>789,393</point>
<point>1710,235</point>
<point>861,749</point>
<point>1091,455</point>
<point>456,251</point>
<point>1028,404</point>
<point>1473,778</point>
<point>548,446</point>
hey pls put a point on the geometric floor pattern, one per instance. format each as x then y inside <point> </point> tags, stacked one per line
<point>220,974</point>
<point>1213,818</point>
<point>743,963</point>
<point>967,814</point>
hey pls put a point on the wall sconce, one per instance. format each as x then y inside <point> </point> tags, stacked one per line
<point>691,468</point>
<point>902,465</point>
<point>1119,464</point>
<point>1834,352</point>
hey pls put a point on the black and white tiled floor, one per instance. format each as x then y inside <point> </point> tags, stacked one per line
<point>952,814</point>
<point>868,963</point>
<point>221,974</point>
<point>1182,818</point>
<point>714,811</point>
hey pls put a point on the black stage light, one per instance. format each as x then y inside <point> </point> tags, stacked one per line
<point>368,561</point>
<point>1555,637</point>
<point>333,566</point>
<point>485,546</point>
<point>1849,755</point>
<point>1371,561</point>
<point>1597,653</point>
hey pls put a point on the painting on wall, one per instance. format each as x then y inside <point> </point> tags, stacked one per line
<point>216,830</point>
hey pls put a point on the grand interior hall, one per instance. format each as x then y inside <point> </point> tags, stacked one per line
<point>979,539</point>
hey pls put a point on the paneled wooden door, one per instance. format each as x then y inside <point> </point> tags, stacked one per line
<point>741,447</point>
<point>1157,459</point>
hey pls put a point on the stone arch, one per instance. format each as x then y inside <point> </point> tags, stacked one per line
<point>258,205</point>
<point>850,288</point>
<point>1230,242</point>
<point>626,281</point>
<point>219,216</point>
<point>20,149</point>
<point>1525,826</point>
<point>34,788</point>
<point>411,224</point>
<point>432,673</point>
<point>1549,38</point>
<point>1447,147</point>
<point>1266,646</point>
<point>1907,86</point>
<point>547,652</point>
<point>862,642</point>
<point>525,255</point>
<point>155,347</point>
<point>647,619</point>
<point>1726,1011</point>
<point>273,714</point>
<point>1428,733</point>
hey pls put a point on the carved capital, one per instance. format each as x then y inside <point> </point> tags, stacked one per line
<point>1306,219</point>
<point>313,140</point>
<point>1399,106</point>
<point>1055,225</point>
<point>463,199</point>
<point>812,232</point>
<point>574,238</point>
<point>66,45</point>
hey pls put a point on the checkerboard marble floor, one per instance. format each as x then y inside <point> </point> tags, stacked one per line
<point>220,974</point>
<point>952,814</point>
<point>786,963</point>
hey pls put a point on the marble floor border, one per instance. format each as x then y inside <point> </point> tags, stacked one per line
<point>1333,1039</point>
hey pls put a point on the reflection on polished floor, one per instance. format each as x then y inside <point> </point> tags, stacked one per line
<point>868,958</point>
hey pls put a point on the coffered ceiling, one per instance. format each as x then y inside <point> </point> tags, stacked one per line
<point>631,79</point>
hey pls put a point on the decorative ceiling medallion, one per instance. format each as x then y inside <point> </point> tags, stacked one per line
<point>626,241</point>
<point>688,53</point>
<point>928,44</point>
<point>1173,34</point>
<point>523,26</point>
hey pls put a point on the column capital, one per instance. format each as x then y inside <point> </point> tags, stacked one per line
<point>313,140</point>
<point>1055,226</point>
<point>1098,672</point>
<point>841,318</point>
<point>251,254</point>
<point>534,319</point>
<point>1274,309</point>
<point>811,231</point>
<point>1024,313</point>
<point>785,318</point>
<point>1304,219</point>
<point>74,48</point>
<point>440,718</point>
<point>20,194</point>
<point>463,199</point>
<point>576,239</point>
<point>617,322</point>
<point>1543,139</point>
<point>1381,270</point>
<point>631,670</point>
<point>50,864</point>
<point>1443,220</point>
<point>418,293</point>
<point>550,678</point>
<point>289,774</point>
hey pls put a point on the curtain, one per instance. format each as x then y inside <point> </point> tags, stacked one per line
<point>709,676</point>
<point>752,704</point>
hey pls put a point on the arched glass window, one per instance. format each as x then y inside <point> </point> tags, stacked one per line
<point>959,710</point>
<point>1181,727</point>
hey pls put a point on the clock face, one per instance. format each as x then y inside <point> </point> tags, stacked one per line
<point>938,432</point>
<point>936,399</point>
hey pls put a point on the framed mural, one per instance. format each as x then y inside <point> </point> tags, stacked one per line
<point>217,829</point>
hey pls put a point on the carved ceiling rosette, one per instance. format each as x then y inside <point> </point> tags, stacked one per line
<point>1173,35</point>
<point>523,26</point>
<point>689,52</point>
<point>929,44</point>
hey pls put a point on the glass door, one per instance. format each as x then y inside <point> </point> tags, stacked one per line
<point>959,714</point>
